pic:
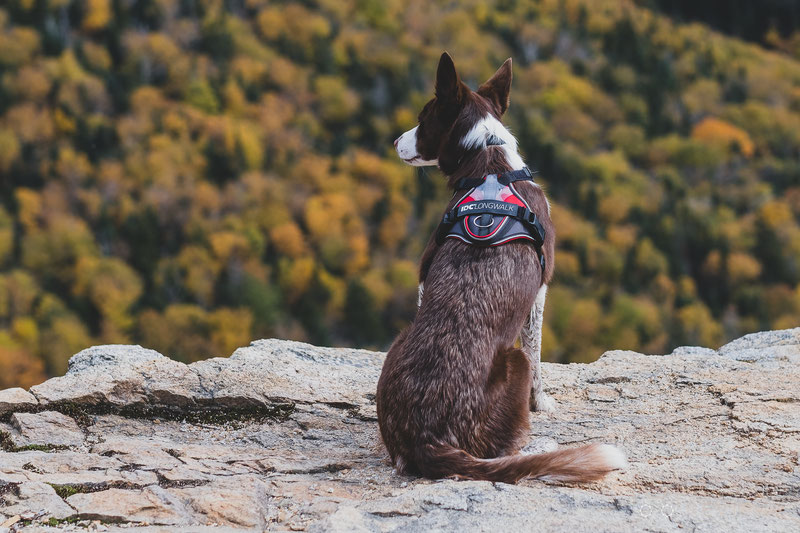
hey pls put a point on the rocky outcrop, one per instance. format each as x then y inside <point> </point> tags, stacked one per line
<point>283,436</point>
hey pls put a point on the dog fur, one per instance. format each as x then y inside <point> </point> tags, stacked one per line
<point>454,395</point>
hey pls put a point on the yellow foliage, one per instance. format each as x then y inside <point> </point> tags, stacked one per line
<point>66,336</point>
<point>712,266</point>
<point>19,368</point>
<point>380,291</point>
<point>550,346</point>
<point>98,14</point>
<point>630,139</point>
<point>31,124</point>
<point>199,272</point>
<point>97,56</point>
<point>703,96</point>
<point>331,215</point>
<point>6,236</point>
<point>62,122</point>
<point>404,119</point>
<point>53,250</point>
<point>226,244</point>
<point>717,132</point>
<point>72,166</point>
<point>337,293</point>
<point>358,259</point>
<point>9,149</point>
<point>698,327</point>
<point>393,229</point>
<point>568,266</point>
<point>181,331</point>
<point>614,206</point>
<point>230,329</point>
<point>742,267</point>
<point>295,276</point>
<point>18,45</point>
<point>250,145</point>
<point>576,126</point>
<point>25,332</point>
<point>294,23</point>
<point>786,322</point>
<point>622,237</point>
<point>18,290</point>
<point>403,274</point>
<point>235,100</point>
<point>110,285</point>
<point>337,101</point>
<point>30,83</point>
<point>687,290</point>
<point>775,214</point>
<point>585,319</point>
<point>572,229</point>
<point>649,260</point>
<point>289,240</point>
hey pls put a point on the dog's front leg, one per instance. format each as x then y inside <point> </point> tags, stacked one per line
<point>532,346</point>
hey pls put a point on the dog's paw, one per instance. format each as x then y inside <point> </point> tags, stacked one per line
<point>542,403</point>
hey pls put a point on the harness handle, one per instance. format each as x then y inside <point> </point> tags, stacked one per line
<point>506,178</point>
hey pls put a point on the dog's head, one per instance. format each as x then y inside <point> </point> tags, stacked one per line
<point>458,119</point>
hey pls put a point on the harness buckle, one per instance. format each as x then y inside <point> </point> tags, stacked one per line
<point>528,216</point>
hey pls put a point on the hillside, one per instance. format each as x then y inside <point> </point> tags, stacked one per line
<point>283,436</point>
<point>190,175</point>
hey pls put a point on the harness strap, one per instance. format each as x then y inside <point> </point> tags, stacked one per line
<point>490,207</point>
<point>523,174</point>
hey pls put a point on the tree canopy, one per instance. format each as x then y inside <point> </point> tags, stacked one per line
<point>193,174</point>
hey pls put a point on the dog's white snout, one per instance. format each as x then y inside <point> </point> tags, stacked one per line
<point>406,146</point>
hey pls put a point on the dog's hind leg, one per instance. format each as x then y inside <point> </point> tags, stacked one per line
<point>532,346</point>
<point>507,391</point>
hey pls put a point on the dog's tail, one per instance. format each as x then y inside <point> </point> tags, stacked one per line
<point>582,464</point>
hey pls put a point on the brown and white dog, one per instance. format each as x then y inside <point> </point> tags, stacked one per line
<point>454,394</point>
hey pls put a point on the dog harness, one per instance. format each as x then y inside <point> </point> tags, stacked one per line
<point>492,213</point>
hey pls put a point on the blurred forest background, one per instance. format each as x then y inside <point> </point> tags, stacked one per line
<point>193,174</point>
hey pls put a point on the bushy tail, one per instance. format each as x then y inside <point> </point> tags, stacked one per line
<point>586,463</point>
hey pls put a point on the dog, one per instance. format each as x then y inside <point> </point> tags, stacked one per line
<point>454,393</point>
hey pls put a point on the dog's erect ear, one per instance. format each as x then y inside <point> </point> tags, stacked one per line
<point>498,87</point>
<point>448,84</point>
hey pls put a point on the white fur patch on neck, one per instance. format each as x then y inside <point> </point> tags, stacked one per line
<point>487,127</point>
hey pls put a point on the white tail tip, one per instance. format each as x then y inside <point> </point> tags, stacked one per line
<point>613,456</point>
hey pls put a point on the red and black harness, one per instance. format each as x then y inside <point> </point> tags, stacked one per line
<point>492,213</point>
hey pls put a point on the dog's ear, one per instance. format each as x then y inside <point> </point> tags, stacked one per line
<point>497,88</point>
<point>448,84</point>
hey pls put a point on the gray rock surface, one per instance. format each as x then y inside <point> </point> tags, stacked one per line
<point>283,436</point>
<point>37,498</point>
<point>47,429</point>
<point>15,399</point>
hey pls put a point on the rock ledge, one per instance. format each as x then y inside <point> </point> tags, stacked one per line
<point>283,436</point>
